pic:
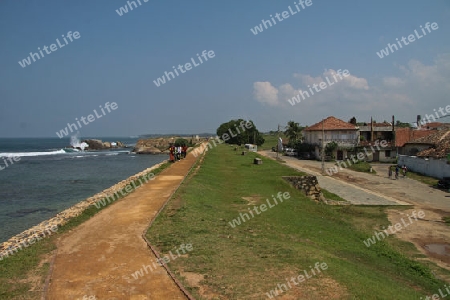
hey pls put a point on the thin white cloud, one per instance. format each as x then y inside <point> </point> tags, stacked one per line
<point>418,89</point>
<point>265,93</point>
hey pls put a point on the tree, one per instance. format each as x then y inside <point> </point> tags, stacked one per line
<point>303,147</point>
<point>401,124</point>
<point>330,147</point>
<point>293,132</point>
<point>181,143</point>
<point>352,121</point>
<point>240,132</point>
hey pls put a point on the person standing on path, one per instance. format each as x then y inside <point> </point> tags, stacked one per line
<point>396,172</point>
<point>390,172</point>
<point>172,153</point>
<point>179,153</point>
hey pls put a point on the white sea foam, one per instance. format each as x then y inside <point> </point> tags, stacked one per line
<point>22,154</point>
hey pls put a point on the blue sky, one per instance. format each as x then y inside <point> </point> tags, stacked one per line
<point>117,58</point>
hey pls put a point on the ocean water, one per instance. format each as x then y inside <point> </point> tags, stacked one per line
<point>46,180</point>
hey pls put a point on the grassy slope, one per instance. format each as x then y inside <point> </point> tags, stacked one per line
<point>422,178</point>
<point>269,141</point>
<point>247,261</point>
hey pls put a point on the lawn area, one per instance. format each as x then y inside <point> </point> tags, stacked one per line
<point>249,260</point>
<point>422,178</point>
<point>362,166</point>
<point>269,141</point>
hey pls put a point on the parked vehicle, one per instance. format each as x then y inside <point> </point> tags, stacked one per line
<point>444,183</point>
<point>291,152</point>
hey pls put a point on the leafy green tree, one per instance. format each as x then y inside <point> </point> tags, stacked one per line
<point>401,124</point>
<point>240,132</point>
<point>330,147</point>
<point>181,143</point>
<point>293,131</point>
<point>303,147</point>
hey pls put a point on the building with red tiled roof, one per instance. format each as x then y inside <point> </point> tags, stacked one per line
<point>332,123</point>
<point>331,129</point>
<point>434,126</point>
<point>427,154</point>
<point>405,135</point>
<point>372,136</point>
<point>439,144</point>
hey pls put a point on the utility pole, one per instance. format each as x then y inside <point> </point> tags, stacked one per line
<point>323,148</point>
<point>278,139</point>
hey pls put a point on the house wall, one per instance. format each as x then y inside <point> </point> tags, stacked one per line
<point>350,137</point>
<point>413,149</point>
<point>385,158</point>
<point>432,167</point>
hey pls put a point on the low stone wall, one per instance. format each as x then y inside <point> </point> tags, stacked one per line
<point>45,228</point>
<point>308,184</point>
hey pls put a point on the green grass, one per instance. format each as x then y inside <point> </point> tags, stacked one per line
<point>331,196</point>
<point>249,260</point>
<point>446,220</point>
<point>270,141</point>
<point>15,269</point>
<point>362,166</point>
<point>422,178</point>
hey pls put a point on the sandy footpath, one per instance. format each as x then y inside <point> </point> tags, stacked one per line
<point>98,257</point>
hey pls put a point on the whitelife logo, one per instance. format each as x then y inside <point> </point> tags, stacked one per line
<point>398,227</point>
<point>187,67</point>
<point>125,191</point>
<point>323,85</point>
<point>27,61</point>
<point>355,158</point>
<point>280,17</point>
<point>160,261</point>
<point>90,118</point>
<point>262,207</point>
<point>284,288</point>
<point>124,9</point>
<point>220,140</point>
<point>411,38</point>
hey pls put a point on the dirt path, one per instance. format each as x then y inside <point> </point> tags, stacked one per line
<point>99,256</point>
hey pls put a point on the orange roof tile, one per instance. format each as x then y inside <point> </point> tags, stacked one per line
<point>441,144</point>
<point>405,135</point>
<point>332,123</point>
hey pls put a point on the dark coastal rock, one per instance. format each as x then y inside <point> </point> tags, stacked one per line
<point>147,150</point>
<point>94,144</point>
<point>100,145</point>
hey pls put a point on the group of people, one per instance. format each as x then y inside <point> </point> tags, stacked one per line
<point>397,170</point>
<point>177,152</point>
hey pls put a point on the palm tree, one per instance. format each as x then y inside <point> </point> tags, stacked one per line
<point>293,132</point>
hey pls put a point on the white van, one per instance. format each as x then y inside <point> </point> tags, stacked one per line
<point>251,147</point>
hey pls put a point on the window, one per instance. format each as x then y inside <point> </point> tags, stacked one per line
<point>387,153</point>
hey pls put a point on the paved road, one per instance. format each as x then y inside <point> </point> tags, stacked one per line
<point>368,189</point>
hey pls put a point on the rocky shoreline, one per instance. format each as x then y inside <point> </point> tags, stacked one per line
<point>45,228</point>
<point>160,145</point>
